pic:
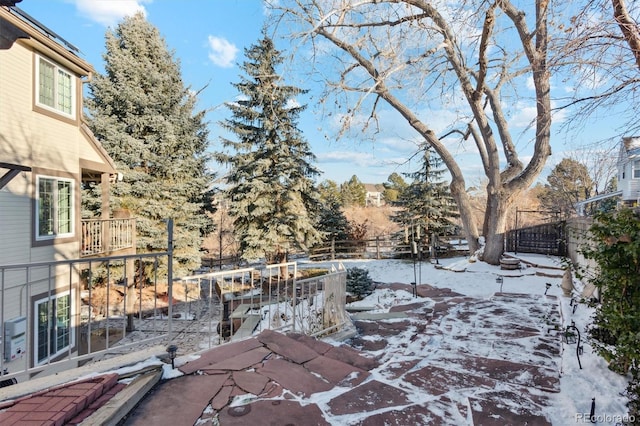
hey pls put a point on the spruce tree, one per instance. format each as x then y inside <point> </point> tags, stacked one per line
<point>353,192</point>
<point>427,205</point>
<point>331,219</point>
<point>146,119</point>
<point>270,182</point>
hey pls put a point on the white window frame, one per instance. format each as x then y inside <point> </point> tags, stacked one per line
<point>57,107</point>
<point>56,219</point>
<point>635,169</point>
<point>53,327</point>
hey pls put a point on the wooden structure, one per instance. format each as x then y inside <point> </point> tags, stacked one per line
<point>548,238</point>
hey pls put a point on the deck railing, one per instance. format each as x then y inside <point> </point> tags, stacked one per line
<point>58,315</point>
<point>103,236</point>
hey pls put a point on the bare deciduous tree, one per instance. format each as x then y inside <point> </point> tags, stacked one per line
<point>601,44</point>
<point>628,27</point>
<point>471,56</point>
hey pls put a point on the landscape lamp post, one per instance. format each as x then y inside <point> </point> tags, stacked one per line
<point>172,349</point>
<point>570,338</point>
<point>500,280</point>
<point>548,285</point>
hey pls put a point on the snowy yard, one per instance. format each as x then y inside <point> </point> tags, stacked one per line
<point>490,331</point>
<point>577,386</point>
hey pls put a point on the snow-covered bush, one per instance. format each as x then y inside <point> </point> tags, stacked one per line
<point>359,283</point>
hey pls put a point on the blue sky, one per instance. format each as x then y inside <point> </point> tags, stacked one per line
<point>209,38</point>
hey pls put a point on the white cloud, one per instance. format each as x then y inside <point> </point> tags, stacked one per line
<point>109,12</point>
<point>361,159</point>
<point>222,53</point>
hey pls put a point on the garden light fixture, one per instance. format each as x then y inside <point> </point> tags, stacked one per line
<point>569,338</point>
<point>172,350</point>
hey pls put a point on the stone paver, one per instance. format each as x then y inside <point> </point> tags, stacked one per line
<point>288,348</point>
<point>294,377</point>
<point>269,413</point>
<point>370,396</point>
<point>241,361</point>
<point>220,354</point>
<point>179,401</point>
<point>450,359</point>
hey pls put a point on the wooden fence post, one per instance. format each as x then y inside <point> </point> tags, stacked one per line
<point>333,248</point>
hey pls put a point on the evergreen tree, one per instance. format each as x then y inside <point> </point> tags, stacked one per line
<point>609,204</point>
<point>568,183</point>
<point>359,283</point>
<point>331,218</point>
<point>353,192</point>
<point>394,185</point>
<point>271,191</point>
<point>328,191</point>
<point>427,204</point>
<point>146,120</point>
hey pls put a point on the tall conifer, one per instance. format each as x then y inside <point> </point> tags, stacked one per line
<point>270,182</point>
<point>427,205</point>
<point>146,119</point>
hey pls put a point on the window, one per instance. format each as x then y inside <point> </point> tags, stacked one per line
<point>55,88</point>
<point>54,215</point>
<point>636,169</point>
<point>54,331</point>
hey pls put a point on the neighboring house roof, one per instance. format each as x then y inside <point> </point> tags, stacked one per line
<point>631,146</point>
<point>371,187</point>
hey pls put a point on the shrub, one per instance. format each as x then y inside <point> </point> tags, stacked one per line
<point>359,283</point>
<point>615,331</point>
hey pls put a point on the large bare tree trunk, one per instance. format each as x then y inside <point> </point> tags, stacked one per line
<point>498,205</point>
<point>388,49</point>
<point>459,193</point>
<point>628,26</point>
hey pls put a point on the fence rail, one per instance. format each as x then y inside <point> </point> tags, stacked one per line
<point>385,247</point>
<point>57,315</point>
<point>102,236</point>
<point>72,310</point>
<point>252,299</point>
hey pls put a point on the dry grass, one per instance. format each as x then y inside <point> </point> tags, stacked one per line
<point>378,219</point>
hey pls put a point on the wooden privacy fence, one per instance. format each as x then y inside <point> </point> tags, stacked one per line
<point>387,247</point>
<point>548,238</point>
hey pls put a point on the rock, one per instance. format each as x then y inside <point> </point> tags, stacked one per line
<point>567,283</point>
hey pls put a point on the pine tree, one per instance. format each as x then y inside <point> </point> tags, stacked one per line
<point>331,219</point>
<point>568,183</point>
<point>427,205</point>
<point>394,185</point>
<point>270,183</point>
<point>353,192</point>
<point>359,283</point>
<point>146,120</point>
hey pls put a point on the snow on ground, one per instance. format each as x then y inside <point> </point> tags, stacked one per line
<point>478,279</point>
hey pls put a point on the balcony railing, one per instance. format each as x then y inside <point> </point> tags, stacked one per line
<point>104,236</point>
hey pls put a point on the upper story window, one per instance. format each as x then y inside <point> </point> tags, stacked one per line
<point>54,208</point>
<point>636,169</point>
<point>55,87</point>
